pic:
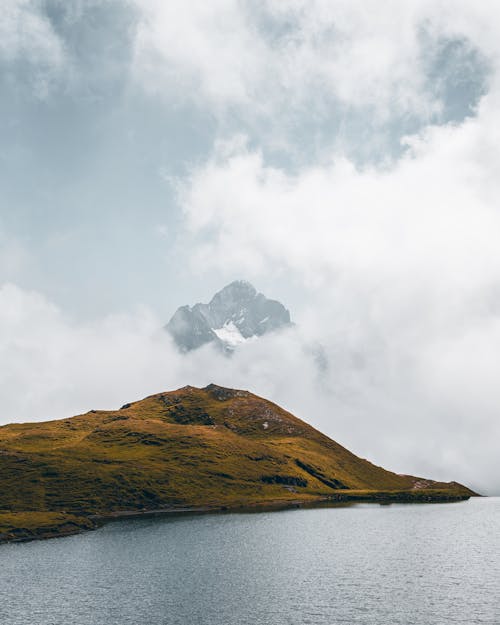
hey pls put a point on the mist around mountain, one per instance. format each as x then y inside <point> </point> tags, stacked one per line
<point>235,315</point>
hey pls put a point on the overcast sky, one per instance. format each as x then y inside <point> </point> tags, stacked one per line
<point>342,156</point>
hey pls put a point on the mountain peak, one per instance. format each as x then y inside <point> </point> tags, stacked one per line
<point>241,286</point>
<point>235,314</point>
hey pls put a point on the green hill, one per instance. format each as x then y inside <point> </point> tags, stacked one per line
<point>209,448</point>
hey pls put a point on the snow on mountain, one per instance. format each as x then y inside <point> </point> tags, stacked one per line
<point>230,335</point>
<point>235,315</point>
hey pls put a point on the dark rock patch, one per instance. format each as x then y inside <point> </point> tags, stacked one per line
<point>288,480</point>
<point>190,416</point>
<point>327,481</point>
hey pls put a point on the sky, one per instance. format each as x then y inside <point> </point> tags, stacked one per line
<point>341,156</point>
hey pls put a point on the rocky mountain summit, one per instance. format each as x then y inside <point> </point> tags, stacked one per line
<point>236,314</point>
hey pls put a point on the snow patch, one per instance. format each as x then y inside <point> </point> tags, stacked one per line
<point>230,334</point>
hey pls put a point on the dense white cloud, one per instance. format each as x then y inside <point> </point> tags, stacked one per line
<point>434,213</point>
<point>272,57</point>
<point>204,48</point>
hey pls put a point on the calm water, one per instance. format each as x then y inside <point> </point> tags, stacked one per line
<point>399,564</point>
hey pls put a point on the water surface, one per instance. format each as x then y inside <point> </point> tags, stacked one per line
<point>409,564</point>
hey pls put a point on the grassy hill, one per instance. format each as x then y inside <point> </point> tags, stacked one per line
<point>192,448</point>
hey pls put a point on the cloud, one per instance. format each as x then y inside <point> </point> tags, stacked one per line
<point>400,273</point>
<point>27,33</point>
<point>436,207</point>
<point>348,66</point>
<point>28,38</point>
<point>204,48</point>
<point>241,53</point>
<point>53,366</point>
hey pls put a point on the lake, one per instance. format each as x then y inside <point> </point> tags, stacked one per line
<point>415,564</point>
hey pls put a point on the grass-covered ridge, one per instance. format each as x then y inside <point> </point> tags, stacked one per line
<point>211,447</point>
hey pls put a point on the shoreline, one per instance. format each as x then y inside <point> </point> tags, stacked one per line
<point>71,525</point>
<point>277,505</point>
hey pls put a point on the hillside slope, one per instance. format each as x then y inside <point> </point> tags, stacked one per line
<point>212,447</point>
